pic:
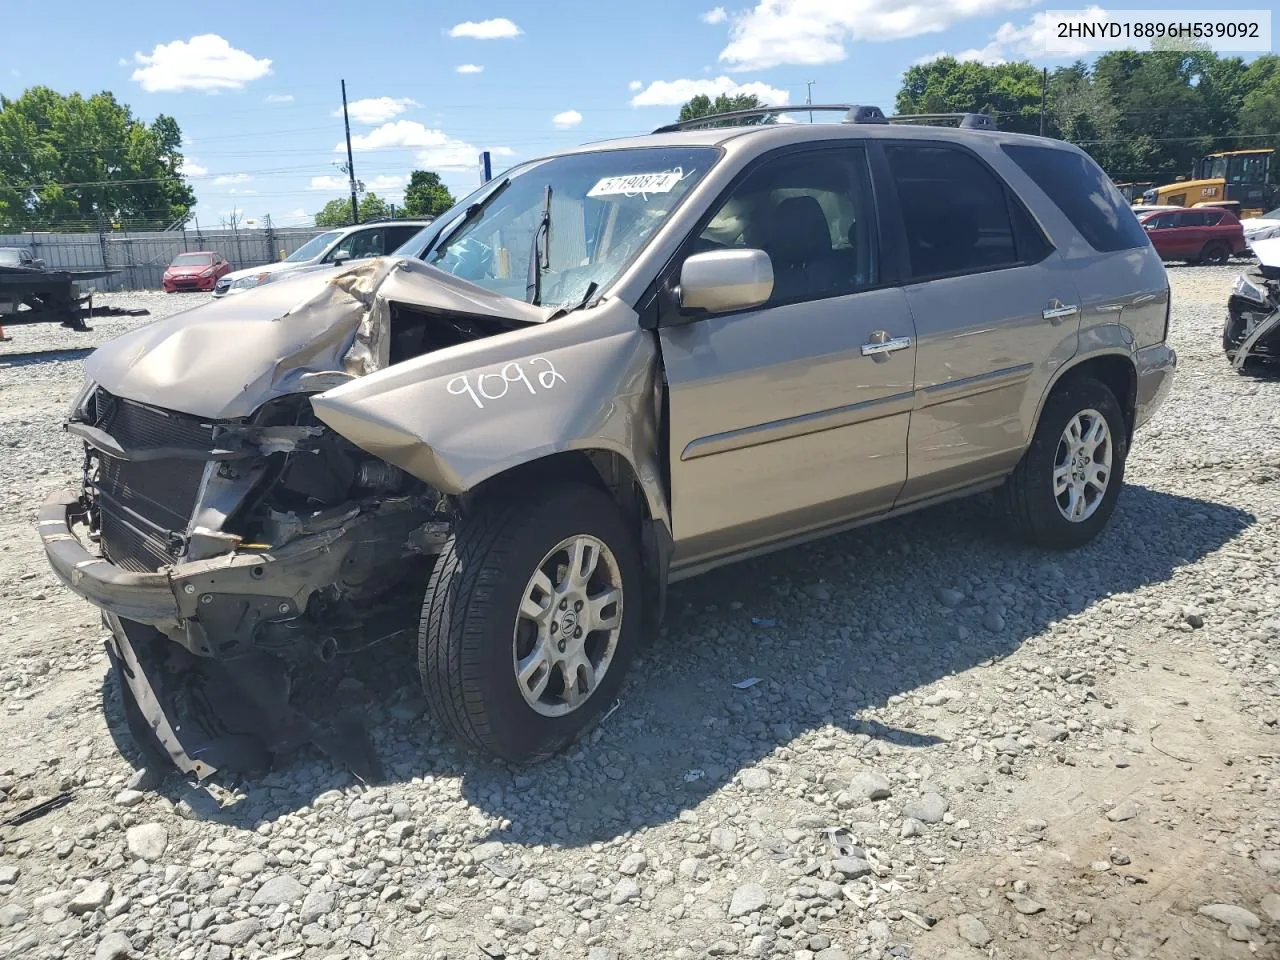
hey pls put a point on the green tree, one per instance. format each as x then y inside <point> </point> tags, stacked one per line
<point>1009,91</point>
<point>337,213</point>
<point>426,196</point>
<point>71,162</point>
<point>704,106</point>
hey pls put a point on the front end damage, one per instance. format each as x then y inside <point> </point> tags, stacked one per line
<point>236,544</point>
<point>1252,328</point>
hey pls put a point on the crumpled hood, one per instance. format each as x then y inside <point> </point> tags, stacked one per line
<point>225,358</point>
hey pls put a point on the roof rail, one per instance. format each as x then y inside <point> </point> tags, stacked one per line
<point>853,113</point>
<point>968,121</point>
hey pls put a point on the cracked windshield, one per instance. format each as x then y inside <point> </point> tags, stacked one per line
<point>555,228</point>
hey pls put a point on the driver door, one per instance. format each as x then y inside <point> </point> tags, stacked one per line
<point>791,416</point>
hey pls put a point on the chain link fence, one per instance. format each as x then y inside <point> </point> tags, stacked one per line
<point>139,259</point>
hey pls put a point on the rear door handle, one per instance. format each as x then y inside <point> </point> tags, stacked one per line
<point>885,346</point>
<point>1060,312</point>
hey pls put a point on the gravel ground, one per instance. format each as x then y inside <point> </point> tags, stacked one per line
<point>1020,755</point>
<point>31,337</point>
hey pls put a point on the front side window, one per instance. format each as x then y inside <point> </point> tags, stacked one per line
<point>313,247</point>
<point>1162,221</point>
<point>604,208</point>
<point>358,245</point>
<point>954,210</point>
<point>811,212</point>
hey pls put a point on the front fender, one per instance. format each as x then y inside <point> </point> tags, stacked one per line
<point>459,416</point>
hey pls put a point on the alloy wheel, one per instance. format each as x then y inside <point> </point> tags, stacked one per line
<point>567,630</point>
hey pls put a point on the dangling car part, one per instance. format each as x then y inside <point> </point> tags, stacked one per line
<point>603,371</point>
<point>1252,329</point>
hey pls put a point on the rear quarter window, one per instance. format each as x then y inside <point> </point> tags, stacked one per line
<point>1083,193</point>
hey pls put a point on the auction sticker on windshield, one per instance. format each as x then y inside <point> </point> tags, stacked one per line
<point>636,183</point>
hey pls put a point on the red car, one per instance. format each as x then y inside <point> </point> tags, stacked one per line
<point>194,271</point>
<point>1196,234</point>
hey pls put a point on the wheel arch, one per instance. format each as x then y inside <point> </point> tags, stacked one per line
<point>615,473</point>
<point>1114,368</point>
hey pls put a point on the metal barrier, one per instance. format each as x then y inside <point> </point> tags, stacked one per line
<point>140,258</point>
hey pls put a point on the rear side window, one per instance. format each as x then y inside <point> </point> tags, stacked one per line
<point>1083,193</point>
<point>955,211</point>
<point>1193,218</point>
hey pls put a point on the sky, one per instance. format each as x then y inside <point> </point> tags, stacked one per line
<point>256,87</point>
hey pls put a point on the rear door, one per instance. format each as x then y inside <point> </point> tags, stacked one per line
<point>792,416</point>
<point>995,311</point>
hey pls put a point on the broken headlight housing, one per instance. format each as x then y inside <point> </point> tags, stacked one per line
<point>1246,289</point>
<point>81,400</point>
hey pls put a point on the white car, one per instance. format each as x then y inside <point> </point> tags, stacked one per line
<point>1264,227</point>
<point>331,248</point>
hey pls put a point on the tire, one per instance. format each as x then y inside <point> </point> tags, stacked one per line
<point>1028,498</point>
<point>472,629</point>
<point>1215,253</point>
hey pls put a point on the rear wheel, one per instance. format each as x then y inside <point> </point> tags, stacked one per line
<point>1215,253</point>
<point>530,619</point>
<point>1064,489</point>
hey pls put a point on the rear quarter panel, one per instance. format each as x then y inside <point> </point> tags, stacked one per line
<point>1123,295</point>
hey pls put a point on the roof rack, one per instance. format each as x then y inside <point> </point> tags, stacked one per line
<point>853,113</point>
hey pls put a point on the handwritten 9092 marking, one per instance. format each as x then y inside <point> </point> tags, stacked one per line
<point>494,386</point>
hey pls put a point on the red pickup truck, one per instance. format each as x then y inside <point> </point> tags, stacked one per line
<point>1195,234</point>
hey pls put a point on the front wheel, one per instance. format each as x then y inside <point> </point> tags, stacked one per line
<point>530,618</point>
<point>1064,489</point>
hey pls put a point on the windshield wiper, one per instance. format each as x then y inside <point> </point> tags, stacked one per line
<point>533,289</point>
<point>442,240</point>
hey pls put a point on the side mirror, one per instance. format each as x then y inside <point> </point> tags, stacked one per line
<point>719,281</point>
<point>341,255</point>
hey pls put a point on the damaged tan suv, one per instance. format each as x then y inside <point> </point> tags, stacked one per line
<point>605,370</point>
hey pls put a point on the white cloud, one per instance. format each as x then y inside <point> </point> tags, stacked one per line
<point>469,68</point>
<point>635,84</point>
<point>777,32</point>
<point>672,93</point>
<point>373,110</point>
<point>714,15</point>
<point>498,29</point>
<point>229,178</point>
<point>205,62</point>
<point>279,98</point>
<point>329,182</point>
<point>192,168</point>
<point>437,150</point>
<point>1037,39</point>
<point>387,183</point>
<point>243,193</point>
<point>567,119</point>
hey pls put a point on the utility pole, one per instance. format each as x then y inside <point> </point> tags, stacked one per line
<point>808,96</point>
<point>351,166</point>
<point>1044,91</point>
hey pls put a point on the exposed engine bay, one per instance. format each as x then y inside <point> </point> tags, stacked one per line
<point>1252,329</point>
<point>280,544</point>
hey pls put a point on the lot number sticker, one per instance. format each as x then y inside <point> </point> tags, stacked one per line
<point>636,183</point>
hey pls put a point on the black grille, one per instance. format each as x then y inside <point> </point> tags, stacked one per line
<point>144,504</point>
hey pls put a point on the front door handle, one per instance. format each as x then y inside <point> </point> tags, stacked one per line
<point>875,347</point>
<point>1060,311</point>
